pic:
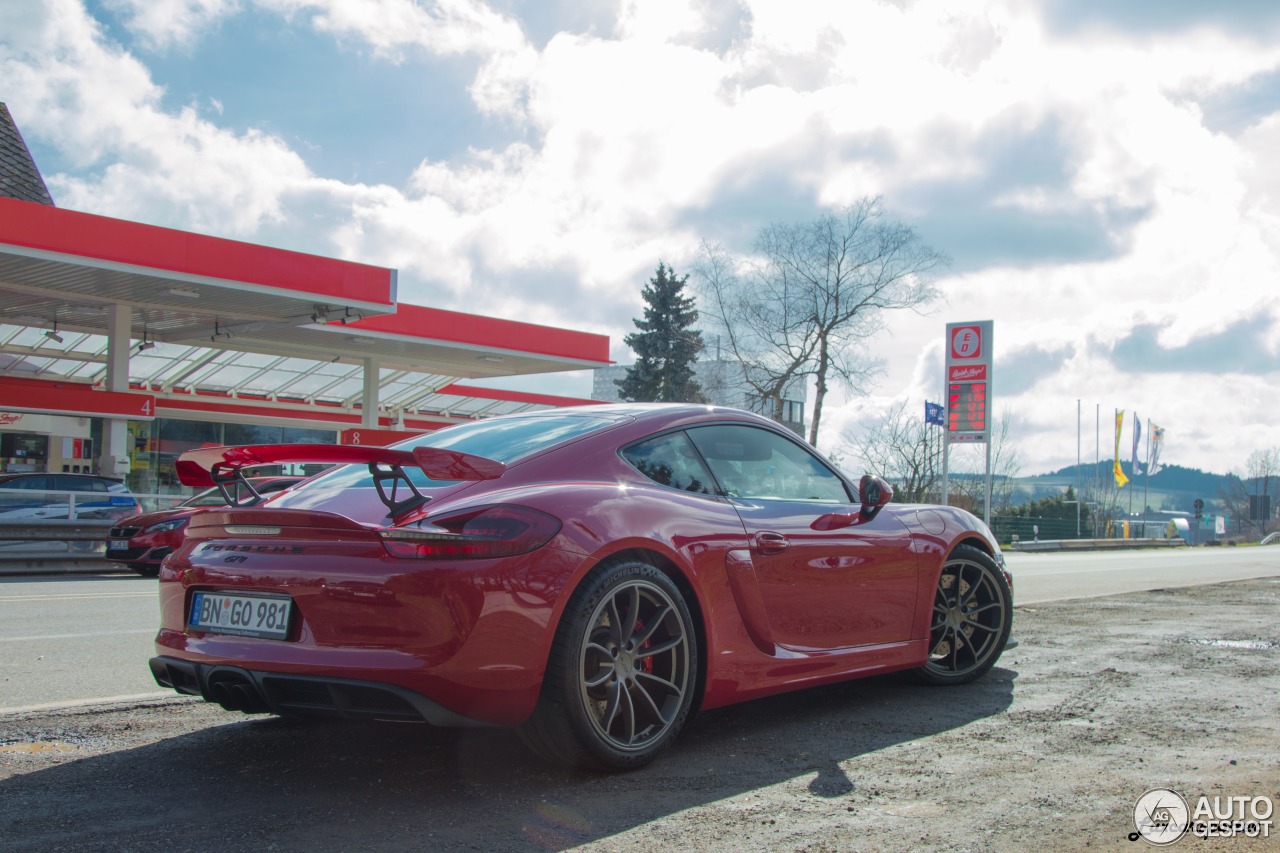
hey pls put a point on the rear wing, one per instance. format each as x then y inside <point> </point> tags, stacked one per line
<point>224,467</point>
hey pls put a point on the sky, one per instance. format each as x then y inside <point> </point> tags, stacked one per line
<point>1104,176</point>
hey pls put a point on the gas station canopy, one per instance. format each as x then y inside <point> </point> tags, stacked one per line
<point>207,321</point>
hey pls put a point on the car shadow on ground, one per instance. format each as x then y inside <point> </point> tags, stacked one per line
<point>267,783</point>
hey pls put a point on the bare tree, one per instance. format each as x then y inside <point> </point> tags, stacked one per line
<point>805,302</point>
<point>1261,476</point>
<point>967,472</point>
<point>903,449</point>
<point>1104,496</point>
<point>762,335</point>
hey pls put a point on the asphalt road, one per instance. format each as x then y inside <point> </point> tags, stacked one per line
<point>75,639</point>
<point>1041,577</point>
<point>1104,700</point>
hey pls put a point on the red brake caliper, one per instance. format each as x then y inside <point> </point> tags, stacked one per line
<point>647,665</point>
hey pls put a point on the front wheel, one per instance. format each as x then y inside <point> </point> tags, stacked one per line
<point>972,617</point>
<point>622,674</point>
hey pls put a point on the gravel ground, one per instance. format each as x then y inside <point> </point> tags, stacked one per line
<point>1105,699</point>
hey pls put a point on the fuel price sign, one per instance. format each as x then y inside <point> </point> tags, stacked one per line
<point>968,380</point>
<point>967,407</point>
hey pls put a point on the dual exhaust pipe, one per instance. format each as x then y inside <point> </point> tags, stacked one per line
<point>237,693</point>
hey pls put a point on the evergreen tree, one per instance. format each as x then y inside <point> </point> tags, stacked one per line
<point>665,347</point>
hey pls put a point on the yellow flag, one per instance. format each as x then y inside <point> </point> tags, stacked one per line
<point>1121,479</point>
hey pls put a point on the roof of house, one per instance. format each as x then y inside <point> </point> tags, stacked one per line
<point>19,177</point>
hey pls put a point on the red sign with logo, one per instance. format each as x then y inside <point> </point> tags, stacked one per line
<point>971,373</point>
<point>74,398</point>
<point>968,376</point>
<point>375,437</point>
<point>966,343</point>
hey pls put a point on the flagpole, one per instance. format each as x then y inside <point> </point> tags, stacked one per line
<point>1079,480</point>
<point>1146,479</point>
<point>1135,473</point>
<point>928,460</point>
<point>1116,469</point>
<point>1097,464</point>
<point>945,447</point>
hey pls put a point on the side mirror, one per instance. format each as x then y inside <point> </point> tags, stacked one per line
<point>874,493</point>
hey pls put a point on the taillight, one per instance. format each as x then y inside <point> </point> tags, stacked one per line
<point>491,531</point>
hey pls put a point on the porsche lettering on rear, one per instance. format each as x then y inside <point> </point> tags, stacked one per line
<point>254,549</point>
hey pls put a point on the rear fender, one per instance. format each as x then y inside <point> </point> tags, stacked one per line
<point>611,521</point>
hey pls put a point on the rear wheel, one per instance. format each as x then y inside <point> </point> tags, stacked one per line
<point>622,673</point>
<point>147,571</point>
<point>972,617</point>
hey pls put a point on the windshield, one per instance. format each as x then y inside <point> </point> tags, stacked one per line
<point>505,440</point>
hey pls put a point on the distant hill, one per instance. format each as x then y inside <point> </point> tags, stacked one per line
<point>1172,478</point>
<point>1175,488</point>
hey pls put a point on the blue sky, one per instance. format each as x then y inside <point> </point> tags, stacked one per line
<point>1102,175</point>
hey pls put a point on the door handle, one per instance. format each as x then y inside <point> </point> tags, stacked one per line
<point>769,542</point>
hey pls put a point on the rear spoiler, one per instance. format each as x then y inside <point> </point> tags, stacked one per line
<point>224,466</point>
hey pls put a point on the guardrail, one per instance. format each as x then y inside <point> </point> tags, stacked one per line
<point>53,539</point>
<point>55,530</point>
<point>36,525</point>
<point>1094,544</point>
<point>20,504</point>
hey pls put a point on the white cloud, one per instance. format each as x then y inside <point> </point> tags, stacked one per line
<point>629,147</point>
<point>658,21</point>
<point>135,159</point>
<point>161,24</point>
<point>443,27</point>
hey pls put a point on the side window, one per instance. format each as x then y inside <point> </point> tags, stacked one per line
<point>34,484</point>
<point>64,483</point>
<point>756,463</point>
<point>670,460</point>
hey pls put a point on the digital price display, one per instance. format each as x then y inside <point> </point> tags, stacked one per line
<point>967,407</point>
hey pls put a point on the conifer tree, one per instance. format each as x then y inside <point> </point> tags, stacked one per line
<point>665,347</point>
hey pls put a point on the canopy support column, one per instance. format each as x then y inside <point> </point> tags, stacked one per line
<point>113,457</point>
<point>369,400</point>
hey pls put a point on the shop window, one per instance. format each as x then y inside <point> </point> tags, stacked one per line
<point>235,435</point>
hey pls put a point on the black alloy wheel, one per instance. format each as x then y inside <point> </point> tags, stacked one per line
<point>623,671</point>
<point>972,617</point>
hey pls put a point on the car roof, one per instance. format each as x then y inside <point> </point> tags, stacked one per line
<point>5,478</point>
<point>648,411</point>
<point>18,475</point>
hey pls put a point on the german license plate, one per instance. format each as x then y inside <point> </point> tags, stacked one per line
<point>265,616</point>
<point>118,545</point>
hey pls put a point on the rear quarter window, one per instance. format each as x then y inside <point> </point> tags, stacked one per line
<point>671,460</point>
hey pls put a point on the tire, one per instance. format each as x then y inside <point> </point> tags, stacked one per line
<point>972,617</point>
<point>147,571</point>
<point>622,674</point>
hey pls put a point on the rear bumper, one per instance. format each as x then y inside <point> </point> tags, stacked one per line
<point>472,636</point>
<point>255,692</point>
